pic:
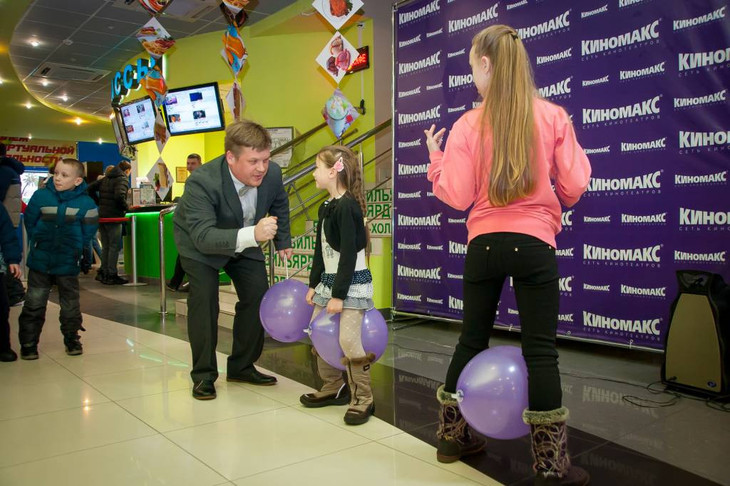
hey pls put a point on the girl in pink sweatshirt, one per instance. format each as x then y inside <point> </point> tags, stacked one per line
<point>502,160</point>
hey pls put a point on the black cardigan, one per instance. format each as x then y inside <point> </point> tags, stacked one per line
<point>344,228</point>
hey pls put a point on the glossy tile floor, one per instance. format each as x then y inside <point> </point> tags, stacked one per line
<point>122,413</point>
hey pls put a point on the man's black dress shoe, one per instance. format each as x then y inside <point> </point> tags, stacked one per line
<point>252,376</point>
<point>203,390</point>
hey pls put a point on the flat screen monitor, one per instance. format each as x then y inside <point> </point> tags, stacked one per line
<point>138,119</point>
<point>194,109</point>
<point>119,133</point>
<point>31,180</point>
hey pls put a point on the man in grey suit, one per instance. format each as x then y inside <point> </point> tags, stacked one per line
<point>219,222</point>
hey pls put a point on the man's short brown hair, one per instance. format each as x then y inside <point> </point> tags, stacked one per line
<point>195,156</point>
<point>245,133</point>
<point>124,166</point>
<point>78,166</point>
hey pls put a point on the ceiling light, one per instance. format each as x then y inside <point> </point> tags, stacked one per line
<point>111,115</point>
<point>44,82</point>
<point>30,136</point>
<point>64,97</point>
<point>1,80</point>
<point>100,141</point>
<point>78,121</point>
<point>34,42</point>
<point>28,105</point>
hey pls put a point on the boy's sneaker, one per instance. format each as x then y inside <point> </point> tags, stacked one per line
<point>29,351</point>
<point>73,346</point>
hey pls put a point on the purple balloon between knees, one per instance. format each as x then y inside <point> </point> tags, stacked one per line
<point>492,392</point>
<point>284,311</point>
<point>325,334</point>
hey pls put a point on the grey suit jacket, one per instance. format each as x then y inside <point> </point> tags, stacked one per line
<point>209,215</point>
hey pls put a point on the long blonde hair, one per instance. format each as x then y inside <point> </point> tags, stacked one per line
<point>507,114</point>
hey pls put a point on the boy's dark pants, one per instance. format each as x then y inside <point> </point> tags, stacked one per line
<point>33,315</point>
<point>14,288</point>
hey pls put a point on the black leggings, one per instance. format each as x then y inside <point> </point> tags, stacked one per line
<point>490,258</point>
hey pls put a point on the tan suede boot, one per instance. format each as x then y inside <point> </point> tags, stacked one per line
<point>361,401</point>
<point>334,389</point>
<point>454,434</point>
<point>550,449</point>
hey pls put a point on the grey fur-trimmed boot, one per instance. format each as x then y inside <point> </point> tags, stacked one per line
<point>334,389</point>
<point>454,434</point>
<point>549,437</point>
<point>361,401</point>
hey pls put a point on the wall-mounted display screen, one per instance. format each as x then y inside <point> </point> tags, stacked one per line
<point>194,109</point>
<point>118,127</point>
<point>138,118</point>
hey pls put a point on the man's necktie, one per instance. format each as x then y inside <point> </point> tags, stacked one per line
<point>242,191</point>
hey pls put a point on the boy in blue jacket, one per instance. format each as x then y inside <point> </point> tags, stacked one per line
<point>60,221</point>
<point>9,259</point>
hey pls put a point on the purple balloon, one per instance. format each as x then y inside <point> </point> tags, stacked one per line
<point>284,311</point>
<point>325,334</point>
<point>492,392</point>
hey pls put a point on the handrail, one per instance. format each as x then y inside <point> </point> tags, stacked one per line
<point>303,162</point>
<point>289,181</point>
<point>373,131</point>
<point>163,287</point>
<point>298,139</point>
<point>321,195</point>
<point>352,143</point>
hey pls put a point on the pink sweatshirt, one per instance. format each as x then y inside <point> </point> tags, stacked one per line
<point>460,180</point>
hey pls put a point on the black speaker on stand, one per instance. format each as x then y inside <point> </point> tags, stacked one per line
<point>696,358</point>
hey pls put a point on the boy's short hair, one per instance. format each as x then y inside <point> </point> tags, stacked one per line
<point>245,133</point>
<point>124,166</point>
<point>80,169</point>
<point>195,156</point>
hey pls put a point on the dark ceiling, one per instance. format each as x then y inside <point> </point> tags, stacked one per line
<point>98,36</point>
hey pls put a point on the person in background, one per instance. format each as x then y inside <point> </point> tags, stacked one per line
<point>194,161</point>
<point>219,222</point>
<point>341,282</point>
<point>501,160</point>
<point>111,193</point>
<point>60,220</point>
<point>9,258</point>
<point>10,196</point>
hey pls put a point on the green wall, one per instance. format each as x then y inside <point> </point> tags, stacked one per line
<point>282,86</point>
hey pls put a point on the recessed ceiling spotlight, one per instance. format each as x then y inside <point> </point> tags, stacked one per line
<point>100,141</point>
<point>44,82</point>
<point>30,136</point>
<point>1,80</point>
<point>64,97</point>
<point>34,42</point>
<point>78,121</point>
<point>28,105</point>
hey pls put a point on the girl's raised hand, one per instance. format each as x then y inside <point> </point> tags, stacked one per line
<point>310,296</point>
<point>433,140</point>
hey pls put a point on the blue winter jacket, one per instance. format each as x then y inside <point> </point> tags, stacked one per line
<point>59,226</point>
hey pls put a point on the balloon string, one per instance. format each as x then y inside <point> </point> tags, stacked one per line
<point>286,267</point>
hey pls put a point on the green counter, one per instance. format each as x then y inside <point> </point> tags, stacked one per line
<point>148,246</point>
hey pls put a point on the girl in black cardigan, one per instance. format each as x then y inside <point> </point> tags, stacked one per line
<point>341,282</point>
